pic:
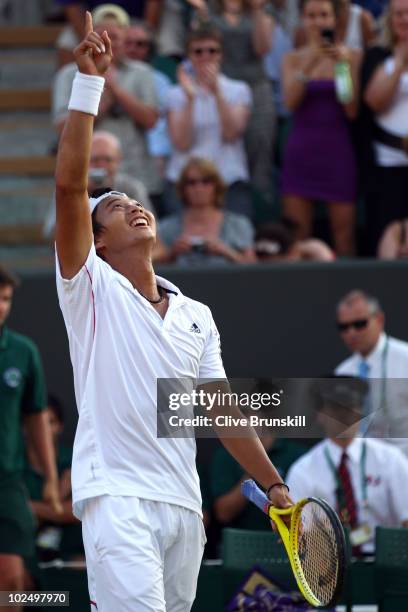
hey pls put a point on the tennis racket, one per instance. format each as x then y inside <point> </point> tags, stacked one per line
<point>314,542</point>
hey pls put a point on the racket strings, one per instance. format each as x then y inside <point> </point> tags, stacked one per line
<point>318,552</point>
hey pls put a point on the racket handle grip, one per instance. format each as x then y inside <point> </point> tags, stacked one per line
<point>251,491</point>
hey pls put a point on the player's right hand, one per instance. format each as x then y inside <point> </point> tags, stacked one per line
<point>94,54</point>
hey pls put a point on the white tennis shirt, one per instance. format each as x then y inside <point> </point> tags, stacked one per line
<point>119,347</point>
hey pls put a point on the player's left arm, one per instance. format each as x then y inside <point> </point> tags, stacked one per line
<point>252,457</point>
<point>245,446</point>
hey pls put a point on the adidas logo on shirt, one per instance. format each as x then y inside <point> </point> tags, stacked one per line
<point>195,329</point>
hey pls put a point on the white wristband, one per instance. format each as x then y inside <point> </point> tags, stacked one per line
<point>86,93</point>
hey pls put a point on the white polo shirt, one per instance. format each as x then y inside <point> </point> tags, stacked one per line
<point>386,475</point>
<point>119,346</point>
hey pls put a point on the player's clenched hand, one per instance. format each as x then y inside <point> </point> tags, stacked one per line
<point>280,498</point>
<point>94,54</point>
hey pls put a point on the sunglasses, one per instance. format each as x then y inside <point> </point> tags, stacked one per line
<point>206,180</point>
<point>210,50</point>
<point>357,324</point>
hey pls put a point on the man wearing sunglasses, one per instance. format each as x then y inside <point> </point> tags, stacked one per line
<point>380,358</point>
<point>207,117</point>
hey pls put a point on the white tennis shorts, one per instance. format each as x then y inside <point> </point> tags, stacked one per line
<point>141,555</point>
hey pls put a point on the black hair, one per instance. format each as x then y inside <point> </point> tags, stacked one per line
<point>277,233</point>
<point>55,404</point>
<point>7,279</point>
<point>98,228</point>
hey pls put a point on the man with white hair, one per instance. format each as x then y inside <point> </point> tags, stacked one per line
<point>379,357</point>
<point>104,169</point>
<point>137,494</point>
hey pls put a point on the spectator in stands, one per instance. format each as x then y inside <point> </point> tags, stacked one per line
<point>246,38</point>
<point>207,117</point>
<point>22,392</point>
<point>335,466</point>
<point>355,27</point>
<point>277,242</point>
<point>379,358</point>
<point>281,43</point>
<point>394,241</point>
<point>286,14</point>
<point>139,46</point>
<point>204,232</point>
<point>319,161</point>
<point>128,106</point>
<point>68,533</point>
<point>74,13</point>
<point>385,92</point>
<point>168,18</point>
<point>106,157</point>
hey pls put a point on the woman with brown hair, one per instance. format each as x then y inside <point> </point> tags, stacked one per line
<point>319,162</point>
<point>385,93</point>
<point>204,232</point>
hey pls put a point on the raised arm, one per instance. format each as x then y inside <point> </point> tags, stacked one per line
<point>263,28</point>
<point>383,85</point>
<point>74,227</point>
<point>180,120</point>
<point>296,72</point>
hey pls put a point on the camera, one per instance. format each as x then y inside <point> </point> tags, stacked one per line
<point>198,244</point>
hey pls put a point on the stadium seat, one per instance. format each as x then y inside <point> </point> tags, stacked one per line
<point>242,549</point>
<point>391,568</point>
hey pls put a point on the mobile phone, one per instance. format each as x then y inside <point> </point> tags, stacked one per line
<point>328,35</point>
<point>198,244</point>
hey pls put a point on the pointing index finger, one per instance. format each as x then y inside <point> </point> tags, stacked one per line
<point>88,23</point>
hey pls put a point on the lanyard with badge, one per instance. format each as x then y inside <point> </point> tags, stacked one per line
<point>383,394</point>
<point>364,532</point>
<point>384,354</point>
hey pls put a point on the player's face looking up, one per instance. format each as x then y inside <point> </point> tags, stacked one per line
<point>6,299</point>
<point>124,223</point>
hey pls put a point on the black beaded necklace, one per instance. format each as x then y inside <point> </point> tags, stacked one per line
<point>160,292</point>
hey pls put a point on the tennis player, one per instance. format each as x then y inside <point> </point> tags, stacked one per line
<point>137,495</point>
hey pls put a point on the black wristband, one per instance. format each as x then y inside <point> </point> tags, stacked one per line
<point>277,484</point>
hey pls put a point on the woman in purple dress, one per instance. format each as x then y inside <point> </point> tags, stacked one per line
<point>319,162</point>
